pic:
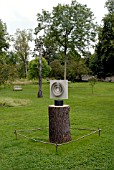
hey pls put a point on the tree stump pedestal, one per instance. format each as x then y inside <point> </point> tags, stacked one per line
<point>59,124</point>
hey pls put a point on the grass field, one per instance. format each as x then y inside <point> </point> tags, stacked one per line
<point>23,110</point>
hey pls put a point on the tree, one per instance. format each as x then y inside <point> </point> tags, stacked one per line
<point>3,72</point>
<point>67,27</point>
<point>110,6</point>
<point>75,70</point>
<point>57,69</point>
<point>4,45</point>
<point>104,54</point>
<point>22,48</point>
<point>33,68</point>
<point>12,58</point>
<point>38,47</point>
<point>8,72</point>
<point>92,82</point>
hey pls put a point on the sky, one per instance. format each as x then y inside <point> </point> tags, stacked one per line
<point>22,13</point>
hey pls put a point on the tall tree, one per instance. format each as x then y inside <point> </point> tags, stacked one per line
<point>22,47</point>
<point>104,58</point>
<point>110,6</point>
<point>4,45</point>
<point>67,27</point>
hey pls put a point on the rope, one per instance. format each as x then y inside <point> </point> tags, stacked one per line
<point>16,132</point>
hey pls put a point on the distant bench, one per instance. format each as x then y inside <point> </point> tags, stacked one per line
<point>17,88</point>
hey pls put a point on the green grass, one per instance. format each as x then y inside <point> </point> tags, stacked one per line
<point>87,110</point>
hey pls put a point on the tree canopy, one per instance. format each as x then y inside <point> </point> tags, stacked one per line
<point>22,48</point>
<point>110,6</point>
<point>103,61</point>
<point>67,28</point>
<point>4,45</point>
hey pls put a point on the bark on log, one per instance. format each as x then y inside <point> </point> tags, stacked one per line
<point>59,124</point>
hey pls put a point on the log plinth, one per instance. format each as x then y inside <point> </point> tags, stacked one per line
<point>59,124</point>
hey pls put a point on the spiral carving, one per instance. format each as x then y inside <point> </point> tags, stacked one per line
<point>57,89</point>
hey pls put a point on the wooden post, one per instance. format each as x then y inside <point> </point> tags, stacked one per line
<point>59,124</point>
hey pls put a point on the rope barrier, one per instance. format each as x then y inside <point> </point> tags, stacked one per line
<point>16,132</point>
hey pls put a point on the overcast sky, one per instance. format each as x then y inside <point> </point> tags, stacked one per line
<point>22,13</point>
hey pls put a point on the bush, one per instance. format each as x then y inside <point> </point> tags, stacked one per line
<point>75,70</point>
<point>57,70</point>
<point>33,69</point>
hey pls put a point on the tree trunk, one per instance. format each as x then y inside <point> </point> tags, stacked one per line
<point>26,71</point>
<point>65,69</point>
<point>59,124</point>
<point>65,58</point>
<point>40,74</point>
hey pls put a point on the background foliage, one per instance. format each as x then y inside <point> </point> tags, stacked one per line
<point>102,62</point>
<point>33,69</point>
<point>69,31</point>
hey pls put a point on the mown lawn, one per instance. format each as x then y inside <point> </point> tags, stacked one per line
<point>87,110</point>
